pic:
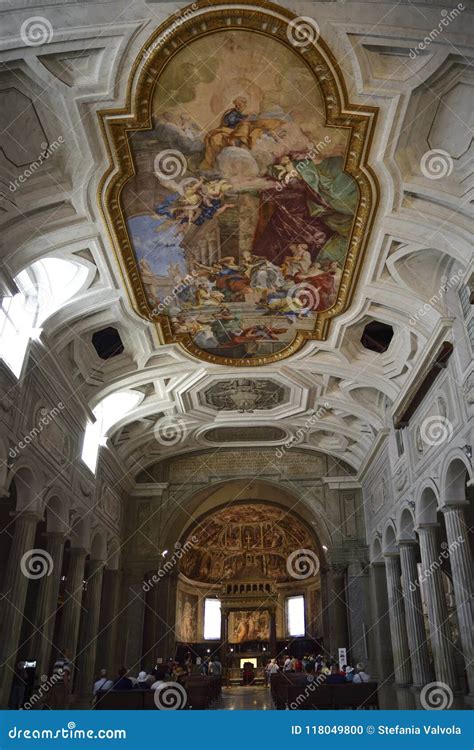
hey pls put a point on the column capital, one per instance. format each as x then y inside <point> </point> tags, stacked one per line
<point>407,543</point>
<point>458,505</point>
<point>32,516</point>
<point>427,527</point>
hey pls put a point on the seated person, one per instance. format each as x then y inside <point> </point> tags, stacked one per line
<point>142,682</point>
<point>360,675</point>
<point>103,683</point>
<point>123,682</point>
<point>335,678</point>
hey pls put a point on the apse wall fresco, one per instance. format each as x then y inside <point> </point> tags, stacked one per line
<point>245,536</point>
<point>187,617</point>
<point>237,218</point>
<point>249,626</point>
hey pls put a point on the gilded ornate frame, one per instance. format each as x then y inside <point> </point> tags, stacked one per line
<point>200,19</point>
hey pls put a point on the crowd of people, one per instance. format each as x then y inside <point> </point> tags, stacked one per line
<point>312,667</point>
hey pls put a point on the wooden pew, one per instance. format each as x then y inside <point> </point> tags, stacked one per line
<point>288,691</point>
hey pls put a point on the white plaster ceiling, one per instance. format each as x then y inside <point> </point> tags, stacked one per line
<point>423,229</point>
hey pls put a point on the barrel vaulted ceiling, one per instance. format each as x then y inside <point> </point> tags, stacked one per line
<point>332,395</point>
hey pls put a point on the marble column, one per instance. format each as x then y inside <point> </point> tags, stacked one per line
<point>47,603</point>
<point>380,644</point>
<point>398,630</point>
<point>108,623</point>
<point>71,609</point>
<point>461,571</point>
<point>224,637</point>
<point>13,599</point>
<point>85,660</point>
<point>441,644</point>
<point>415,621</point>
<point>338,631</point>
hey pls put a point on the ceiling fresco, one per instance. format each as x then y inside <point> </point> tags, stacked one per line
<point>240,201</point>
<point>245,536</point>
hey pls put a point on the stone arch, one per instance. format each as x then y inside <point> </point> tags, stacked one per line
<point>57,512</point>
<point>113,554</point>
<point>406,524</point>
<point>455,472</point>
<point>389,545</point>
<point>28,483</point>
<point>208,500</point>
<point>427,505</point>
<point>376,553</point>
<point>98,549</point>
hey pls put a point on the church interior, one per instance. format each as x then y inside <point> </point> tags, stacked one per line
<point>236,354</point>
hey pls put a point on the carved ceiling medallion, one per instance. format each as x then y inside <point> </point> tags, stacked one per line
<point>238,197</point>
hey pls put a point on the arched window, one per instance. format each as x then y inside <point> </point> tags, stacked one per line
<point>43,288</point>
<point>109,411</point>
